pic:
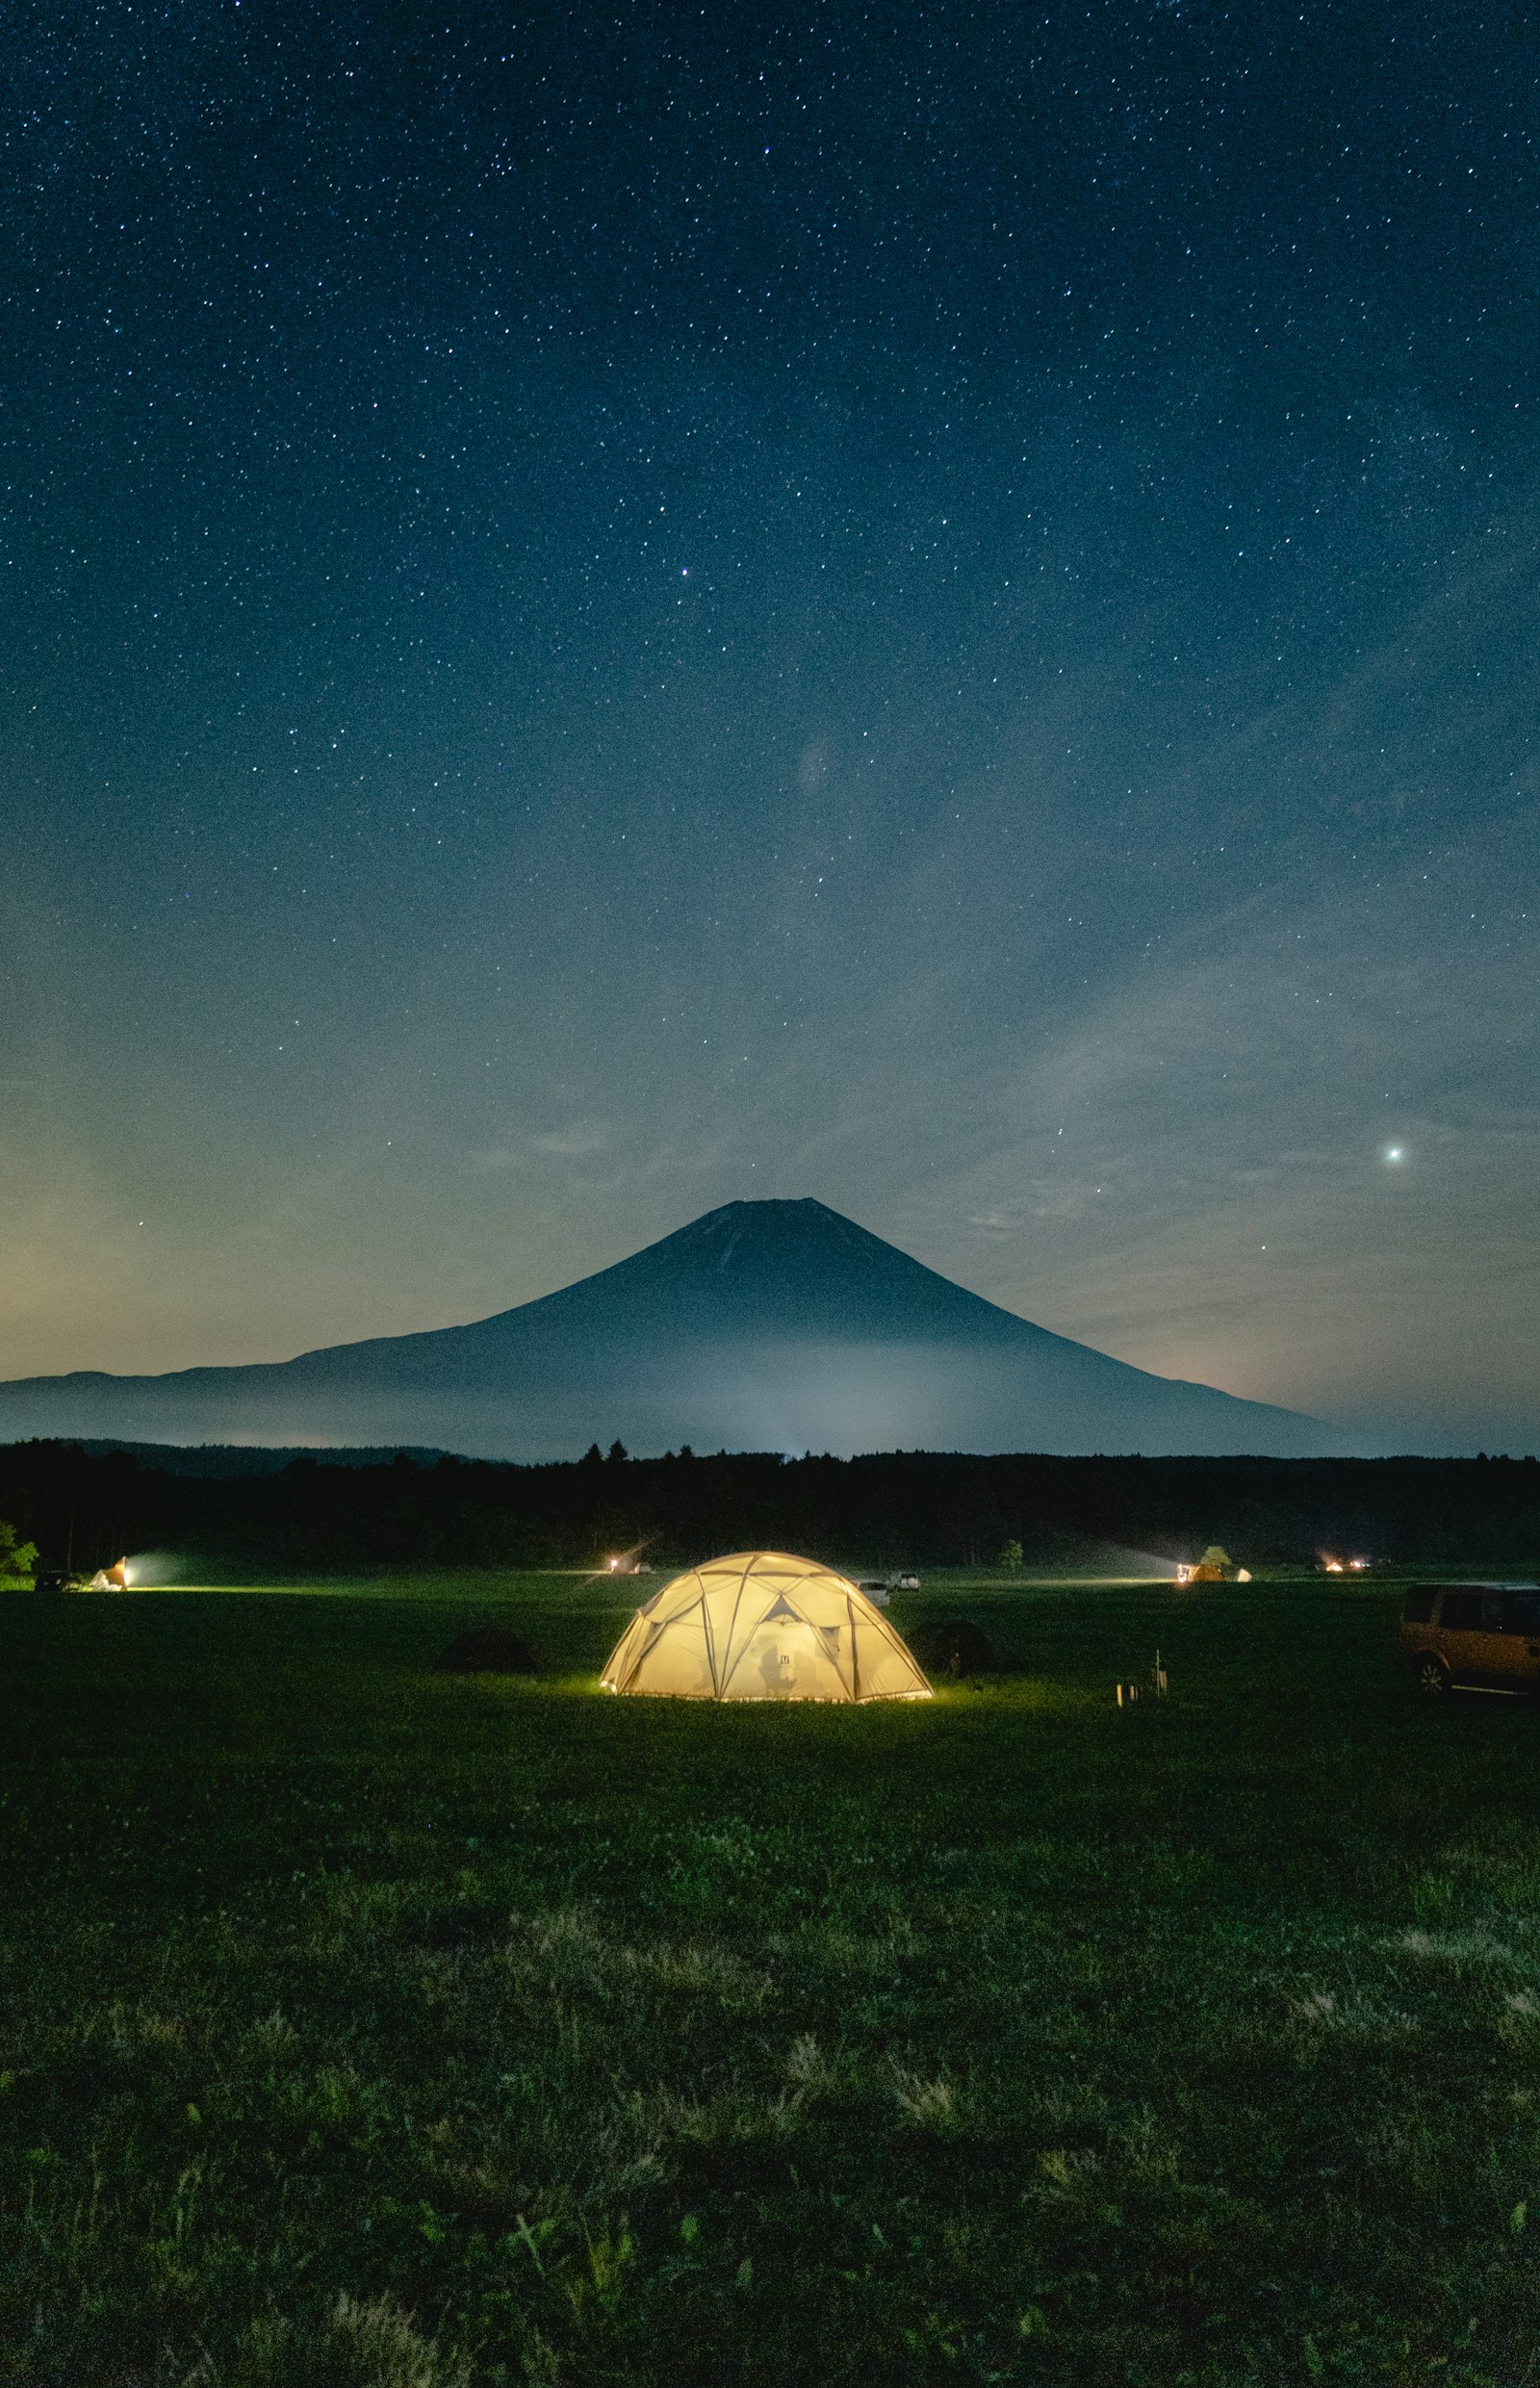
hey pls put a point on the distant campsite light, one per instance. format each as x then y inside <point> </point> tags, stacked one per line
<point>1333,1567</point>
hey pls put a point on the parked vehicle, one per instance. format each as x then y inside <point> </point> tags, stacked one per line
<point>1472,1637</point>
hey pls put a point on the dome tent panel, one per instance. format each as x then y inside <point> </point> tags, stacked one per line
<point>762,1625</point>
<point>676,1659</point>
<point>623,1658</point>
<point>887,1666</point>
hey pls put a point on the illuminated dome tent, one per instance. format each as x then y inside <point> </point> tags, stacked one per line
<point>762,1626</point>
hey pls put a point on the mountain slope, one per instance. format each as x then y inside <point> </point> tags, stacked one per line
<point>762,1326</point>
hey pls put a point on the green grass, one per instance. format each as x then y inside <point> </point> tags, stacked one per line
<point>367,2026</point>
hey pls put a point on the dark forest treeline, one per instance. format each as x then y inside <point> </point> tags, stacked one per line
<point>914,1508</point>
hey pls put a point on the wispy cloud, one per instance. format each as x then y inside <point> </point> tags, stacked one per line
<point>578,1142</point>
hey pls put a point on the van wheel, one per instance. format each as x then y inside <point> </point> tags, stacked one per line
<point>1431,1676</point>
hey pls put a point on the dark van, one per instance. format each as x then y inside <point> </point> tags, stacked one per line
<point>1474,1636</point>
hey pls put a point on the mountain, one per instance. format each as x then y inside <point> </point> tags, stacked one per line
<point>762,1326</point>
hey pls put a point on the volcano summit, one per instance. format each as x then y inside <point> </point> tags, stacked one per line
<point>762,1326</point>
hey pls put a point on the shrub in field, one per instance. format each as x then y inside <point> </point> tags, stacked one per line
<point>17,1559</point>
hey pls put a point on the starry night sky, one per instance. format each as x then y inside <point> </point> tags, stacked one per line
<point>609,610</point>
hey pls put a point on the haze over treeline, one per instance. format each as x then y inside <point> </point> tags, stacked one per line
<point>300,1516</point>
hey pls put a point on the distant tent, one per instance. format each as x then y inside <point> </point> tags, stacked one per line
<point>762,1626</point>
<point>956,1647</point>
<point>1216,1566</point>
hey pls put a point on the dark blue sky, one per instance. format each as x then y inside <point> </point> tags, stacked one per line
<point>607,610</point>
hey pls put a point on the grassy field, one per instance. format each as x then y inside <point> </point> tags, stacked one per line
<point>363,2025</point>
